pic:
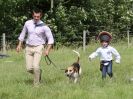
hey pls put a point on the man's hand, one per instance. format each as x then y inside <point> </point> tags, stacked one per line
<point>19,47</point>
<point>46,52</point>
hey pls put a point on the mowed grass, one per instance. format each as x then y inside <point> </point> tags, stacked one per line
<point>16,83</point>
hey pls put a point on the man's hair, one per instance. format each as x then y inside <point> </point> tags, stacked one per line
<point>37,11</point>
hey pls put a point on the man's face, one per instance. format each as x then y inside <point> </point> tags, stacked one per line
<point>36,16</point>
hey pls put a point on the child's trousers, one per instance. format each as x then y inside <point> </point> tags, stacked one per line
<point>106,68</point>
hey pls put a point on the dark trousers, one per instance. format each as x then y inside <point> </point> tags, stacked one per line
<point>106,68</point>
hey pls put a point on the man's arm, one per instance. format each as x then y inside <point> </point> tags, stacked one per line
<point>19,46</point>
<point>50,39</point>
<point>21,38</point>
<point>48,49</point>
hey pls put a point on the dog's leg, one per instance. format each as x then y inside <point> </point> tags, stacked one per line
<point>70,80</point>
<point>80,71</point>
<point>75,80</point>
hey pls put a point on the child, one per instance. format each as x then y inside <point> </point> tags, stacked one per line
<point>105,53</point>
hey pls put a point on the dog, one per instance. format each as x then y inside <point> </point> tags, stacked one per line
<point>73,72</point>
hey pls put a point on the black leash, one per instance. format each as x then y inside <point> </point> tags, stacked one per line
<point>49,61</point>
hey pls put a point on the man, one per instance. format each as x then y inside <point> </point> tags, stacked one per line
<point>37,35</point>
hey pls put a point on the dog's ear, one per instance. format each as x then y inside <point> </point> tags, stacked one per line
<point>66,71</point>
<point>75,69</point>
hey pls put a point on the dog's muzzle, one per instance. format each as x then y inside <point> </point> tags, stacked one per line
<point>67,75</point>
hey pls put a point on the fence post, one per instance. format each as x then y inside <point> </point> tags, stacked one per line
<point>128,38</point>
<point>52,5</point>
<point>4,43</point>
<point>84,40</point>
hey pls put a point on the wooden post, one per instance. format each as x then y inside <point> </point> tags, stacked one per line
<point>84,40</point>
<point>52,5</point>
<point>4,43</point>
<point>128,39</point>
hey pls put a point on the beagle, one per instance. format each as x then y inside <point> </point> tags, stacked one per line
<point>73,72</point>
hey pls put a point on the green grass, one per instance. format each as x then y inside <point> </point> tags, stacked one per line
<point>16,83</point>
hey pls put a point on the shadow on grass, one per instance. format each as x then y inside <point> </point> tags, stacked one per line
<point>4,95</point>
<point>28,81</point>
<point>51,81</point>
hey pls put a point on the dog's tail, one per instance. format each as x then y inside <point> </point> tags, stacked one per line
<point>78,55</point>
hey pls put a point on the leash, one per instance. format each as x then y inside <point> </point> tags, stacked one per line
<point>49,62</point>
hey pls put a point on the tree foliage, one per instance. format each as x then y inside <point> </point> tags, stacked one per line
<point>69,18</point>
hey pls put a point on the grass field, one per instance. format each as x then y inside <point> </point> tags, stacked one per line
<point>16,83</point>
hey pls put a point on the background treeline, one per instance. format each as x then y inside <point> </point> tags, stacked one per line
<point>68,18</point>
